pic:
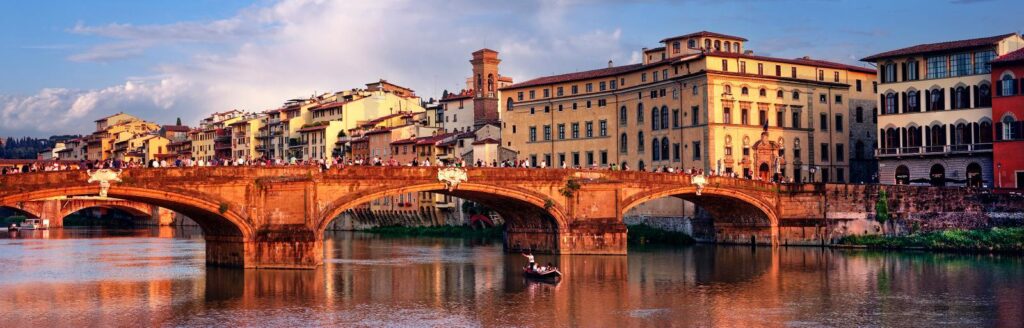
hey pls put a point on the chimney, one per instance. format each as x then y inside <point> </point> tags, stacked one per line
<point>748,52</point>
<point>610,64</point>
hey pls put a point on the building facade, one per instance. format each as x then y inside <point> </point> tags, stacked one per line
<point>699,101</point>
<point>1008,112</point>
<point>935,111</point>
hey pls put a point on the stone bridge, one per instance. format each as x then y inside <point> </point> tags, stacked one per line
<point>275,217</point>
<point>57,208</point>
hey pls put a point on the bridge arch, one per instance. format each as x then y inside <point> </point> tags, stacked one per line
<point>740,216</point>
<point>23,210</point>
<point>208,214</point>
<point>524,211</point>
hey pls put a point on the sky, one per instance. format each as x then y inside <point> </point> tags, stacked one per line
<point>64,64</point>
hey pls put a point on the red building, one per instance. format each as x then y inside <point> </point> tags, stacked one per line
<point>1008,112</point>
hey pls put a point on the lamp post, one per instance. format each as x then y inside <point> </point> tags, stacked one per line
<point>813,169</point>
<point>999,171</point>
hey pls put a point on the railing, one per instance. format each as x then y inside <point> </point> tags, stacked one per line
<point>933,150</point>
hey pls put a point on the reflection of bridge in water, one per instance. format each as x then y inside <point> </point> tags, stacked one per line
<point>275,217</point>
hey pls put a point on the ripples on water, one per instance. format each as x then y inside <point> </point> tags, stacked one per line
<point>157,277</point>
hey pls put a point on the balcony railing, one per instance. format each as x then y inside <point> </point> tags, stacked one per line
<point>934,150</point>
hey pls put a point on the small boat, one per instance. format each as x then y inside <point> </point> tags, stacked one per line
<point>543,273</point>
<point>35,224</point>
<point>13,227</point>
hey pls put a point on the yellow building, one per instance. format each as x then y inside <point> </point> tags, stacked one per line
<point>699,101</point>
<point>212,140</point>
<point>112,130</point>
<point>243,137</point>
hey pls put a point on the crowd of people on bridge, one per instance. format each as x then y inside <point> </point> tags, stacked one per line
<point>47,166</point>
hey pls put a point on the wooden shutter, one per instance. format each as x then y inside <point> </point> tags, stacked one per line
<point>974,95</point>
<point>919,101</point>
<point>903,95</point>
<point>882,103</point>
<point>999,131</point>
<point>999,88</point>
<point>917,70</point>
<point>896,104</point>
<point>903,67</point>
<point>928,100</point>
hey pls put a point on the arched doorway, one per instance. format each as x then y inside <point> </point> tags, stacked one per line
<point>974,175</point>
<point>764,172</point>
<point>902,175</point>
<point>937,175</point>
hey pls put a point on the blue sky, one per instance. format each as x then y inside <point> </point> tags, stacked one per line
<point>65,63</point>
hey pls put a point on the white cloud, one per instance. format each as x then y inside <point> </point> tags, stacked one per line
<point>264,55</point>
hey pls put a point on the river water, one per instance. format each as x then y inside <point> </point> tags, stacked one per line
<point>157,277</point>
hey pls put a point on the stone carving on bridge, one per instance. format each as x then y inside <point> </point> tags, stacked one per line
<point>451,177</point>
<point>699,181</point>
<point>104,177</point>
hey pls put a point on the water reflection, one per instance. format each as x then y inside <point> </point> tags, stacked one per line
<point>117,278</point>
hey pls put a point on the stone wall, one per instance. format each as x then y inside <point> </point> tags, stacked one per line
<point>672,223</point>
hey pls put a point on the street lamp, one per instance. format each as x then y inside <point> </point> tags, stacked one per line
<point>999,171</point>
<point>813,169</point>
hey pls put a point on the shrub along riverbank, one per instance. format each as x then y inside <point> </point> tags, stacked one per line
<point>990,240</point>
<point>438,231</point>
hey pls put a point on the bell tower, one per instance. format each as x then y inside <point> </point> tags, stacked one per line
<point>485,86</point>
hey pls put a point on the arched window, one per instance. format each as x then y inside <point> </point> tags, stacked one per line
<point>664,149</point>
<point>902,175</point>
<point>960,98</point>
<point>938,175</point>
<point>912,103</point>
<point>707,44</point>
<point>744,91</point>
<point>718,45</point>
<point>654,119</point>
<point>1007,128</point>
<point>508,104</point>
<point>796,95</point>
<point>640,141</point>
<point>973,175</point>
<point>664,117</point>
<point>892,138</point>
<point>623,118</point>
<point>728,145</point>
<point>692,44</point>
<point>728,46</point>
<point>728,89</point>
<point>960,135</point>
<point>479,82</point>
<point>640,113</point>
<point>890,103</point>
<point>675,47</point>
<point>623,143</point>
<point>655,150</point>
<point>779,94</point>
<point>1007,85</point>
<point>984,95</point>
<point>490,82</point>
<point>986,132</point>
<point>762,92</point>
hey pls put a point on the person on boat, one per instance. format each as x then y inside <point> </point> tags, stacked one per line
<point>529,258</point>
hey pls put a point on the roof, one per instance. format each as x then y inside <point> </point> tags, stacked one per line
<point>591,74</point>
<point>464,94</point>
<point>176,128</point>
<point>432,139</point>
<point>705,34</point>
<point>483,50</point>
<point>504,78</point>
<point>655,49</point>
<point>108,116</point>
<point>313,128</point>
<point>403,141</point>
<point>378,131</point>
<point>486,141</point>
<point>1014,56</point>
<point>799,61</point>
<point>940,47</point>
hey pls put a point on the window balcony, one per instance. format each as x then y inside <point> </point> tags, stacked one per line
<point>934,150</point>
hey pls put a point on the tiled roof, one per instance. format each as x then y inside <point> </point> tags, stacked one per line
<point>706,34</point>
<point>313,128</point>
<point>464,94</point>
<point>1010,57</point>
<point>798,61</point>
<point>940,47</point>
<point>432,139</point>
<point>603,72</point>
<point>655,49</point>
<point>486,141</point>
<point>403,141</point>
<point>176,128</point>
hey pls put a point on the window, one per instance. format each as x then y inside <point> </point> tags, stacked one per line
<point>937,67</point>
<point>778,70</point>
<point>936,99</point>
<point>911,71</point>
<point>533,134</point>
<point>640,141</point>
<point>643,76</point>
<point>860,115</point>
<point>508,104</point>
<point>821,75</point>
<point>779,117</point>
<point>664,148</point>
<point>744,116</point>
<point>762,92</point>
<point>911,102</point>
<point>675,152</point>
<point>547,93</point>
<point>839,99</point>
<point>727,115</point>
<point>835,76</point>
<point>589,129</point>
<point>725,65</point>
<point>654,75</point>
<point>792,72</point>
<point>639,113</point>
<point>779,94</point>
<point>760,69</point>
<point>575,130</point>
<point>589,87</point>
<point>743,66</point>
<point>695,112</point>
<point>603,128</point>
<point>858,85</point>
<point>519,96</point>
<point>692,44</point>
<point>960,64</point>
<point>961,98</point>
<point>695,90</point>
<point>675,47</point>
<point>561,131</point>
<point>533,94</point>
<point>602,86</point>
<point>675,118</point>
<point>824,152</point>
<point>984,96</point>
<point>744,91</point>
<point>623,143</point>
<point>655,150</point>
<point>664,117</point>
<point>823,122</point>
<point>622,115</point>
<point>1006,85</point>
<point>840,155</point>
<point>654,119</point>
<point>822,98</point>
<point>839,123</point>
<point>664,74</point>
<point>588,103</point>
<point>604,157</point>
<point>547,132</point>
<point>982,61</point>
<point>696,150</point>
<point>796,95</point>
<point>728,89</point>
<point>888,73</point>
<point>590,158</point>
<point>575,89</point>
<point>612,84</point>
<point>560,91</point>
<point>762,117</point>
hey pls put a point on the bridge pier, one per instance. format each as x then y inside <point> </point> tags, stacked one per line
<point>580,238</point>
<point>280,248</point>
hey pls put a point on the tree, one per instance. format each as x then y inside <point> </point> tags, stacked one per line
<point>179,121</point>
<point>882,209</point>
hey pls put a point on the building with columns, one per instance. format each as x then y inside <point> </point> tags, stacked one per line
<point>935,111</point>
<point>699,101</point>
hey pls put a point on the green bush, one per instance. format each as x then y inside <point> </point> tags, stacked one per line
<point>642,234</point>
<point>995,239</point>
<point>16,219</point>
